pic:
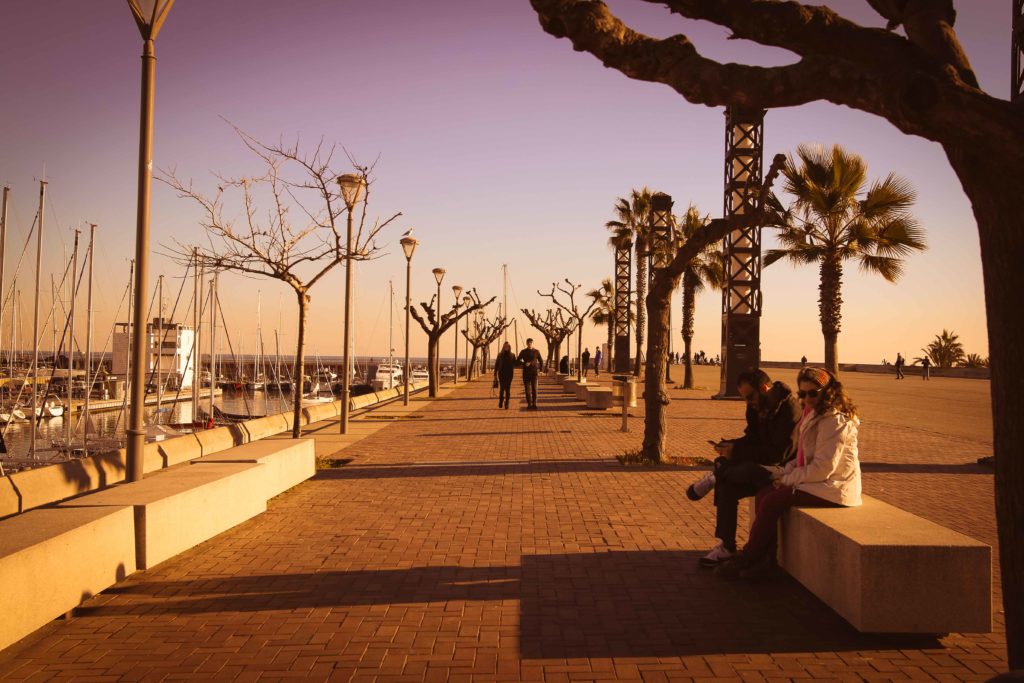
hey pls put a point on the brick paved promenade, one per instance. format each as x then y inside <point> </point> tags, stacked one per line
<point>467,543</point>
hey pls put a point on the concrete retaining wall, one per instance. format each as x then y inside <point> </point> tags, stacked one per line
<point>910,370</point>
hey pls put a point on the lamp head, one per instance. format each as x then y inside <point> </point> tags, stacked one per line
<point>149,15</point>
<point>457,290</point>
<point>438,275</point>
<point>467,300</point>
<point>408,246</point>
<point>353,187</point>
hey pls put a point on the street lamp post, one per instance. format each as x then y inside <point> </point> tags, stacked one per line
<point>408,246</point>
<point>436,371</point>
<point>149,16</point>
<point>457,291</point>
<point>352,188</point>
<point>467,301</point>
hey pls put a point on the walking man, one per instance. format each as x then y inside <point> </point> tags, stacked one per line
<point>926,363</point>
<point>531,361</point>
<point>597,361</point>
<point>899,366</point>
<point>585,361</point>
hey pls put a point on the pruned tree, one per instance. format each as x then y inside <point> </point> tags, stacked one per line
<point>565,298</point>
<point>555,328</point>
<point>296,239</point>
<point>434,326</point>
<point>483,333</point>
<point>921,81</point>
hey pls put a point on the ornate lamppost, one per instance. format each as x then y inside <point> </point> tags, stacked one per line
<point>408,247</point>
<point>457,291</point>
<point>149,16</point>
<point>467,301</point>
<point>352,187</point>
<point>439,276</point>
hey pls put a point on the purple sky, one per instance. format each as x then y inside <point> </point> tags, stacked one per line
<point>499,143</point>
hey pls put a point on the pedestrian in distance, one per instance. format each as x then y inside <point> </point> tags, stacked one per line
<point>597,361</point>
<point>745,465</point>
<point>824,473</point>
<point>899,365</point>
<point>803,361</point>
<point>504,370</point>
<point>926,364</point>
<point>585,361</point>
<point>530,360</point>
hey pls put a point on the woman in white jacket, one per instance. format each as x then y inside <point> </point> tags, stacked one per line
<point>824,471</point>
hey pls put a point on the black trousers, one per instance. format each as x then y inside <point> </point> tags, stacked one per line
<point>733,482</point>
<point>530,387</point>
<point>504,391</point>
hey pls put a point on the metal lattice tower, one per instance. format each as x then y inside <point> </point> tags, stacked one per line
<point>623,301</point>
<point>741,297</point>
<point>1017,87</point>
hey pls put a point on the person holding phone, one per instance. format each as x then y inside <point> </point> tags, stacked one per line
<point>504,369</point>
<point>531,361</point>
<point>744,465</point>
<point>824,473</point>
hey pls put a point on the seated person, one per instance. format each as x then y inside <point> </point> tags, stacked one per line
<point>743,465</point>
<point>563,365</point>
<point>824,473</point>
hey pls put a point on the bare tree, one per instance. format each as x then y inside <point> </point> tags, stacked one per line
<point>555,329</point>
<point>922,82</point>
<point>435,326</point>
<point>483,334</point>
<point>296,239</point>
<point>565,298</point>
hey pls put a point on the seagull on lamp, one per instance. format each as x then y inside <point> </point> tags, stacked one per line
<point>407,233</point>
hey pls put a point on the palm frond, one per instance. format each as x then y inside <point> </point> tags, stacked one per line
<point>889,268</point>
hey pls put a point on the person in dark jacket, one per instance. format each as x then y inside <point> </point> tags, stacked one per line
<point>531,361</point>
<point>563,365</point>
<point>745,465</point>
<point>504,369</point>
<point>585,361</point>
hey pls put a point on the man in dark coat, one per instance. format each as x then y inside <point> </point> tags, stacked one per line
<point>531,361</point>
<point>744,465</point>
<point>504,369</point>
<point>585,360</point>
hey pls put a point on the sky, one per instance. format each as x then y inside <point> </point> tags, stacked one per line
<point>498,144</point>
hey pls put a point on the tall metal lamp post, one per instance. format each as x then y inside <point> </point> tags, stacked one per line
<point>150,16</point>
<point>352,187</point>
<point>408,246</point>
<point>467,301</point>
<point>439,276</point>
<point>457,291</point>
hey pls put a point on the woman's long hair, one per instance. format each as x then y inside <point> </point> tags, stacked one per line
<point>833,396</point>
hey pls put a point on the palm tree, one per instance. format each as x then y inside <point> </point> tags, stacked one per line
<point>633,224</point>
<point>706,270</point>
<point>835,217</point>
<point>945,351</point>
<point>604,311</point>
<point>974,360</point>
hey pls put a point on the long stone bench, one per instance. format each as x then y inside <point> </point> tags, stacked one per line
<point>182,507</point>
<point>599,398</point>
<point>886,570</point>
<point>44,485</point>
<point>582,388</point>
<point>52,560</point>
<point>285,462</point>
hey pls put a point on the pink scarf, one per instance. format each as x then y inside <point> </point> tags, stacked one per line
<point>800,461</point>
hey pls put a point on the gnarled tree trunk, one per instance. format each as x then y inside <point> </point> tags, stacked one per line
<point>689,306</point>
<point>300,362</point>
<point>656,398</point>
<point>830,302</point>
<point>433,366</point>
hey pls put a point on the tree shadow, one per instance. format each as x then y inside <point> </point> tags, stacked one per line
<point>925,468</point>
<point>608,604</point>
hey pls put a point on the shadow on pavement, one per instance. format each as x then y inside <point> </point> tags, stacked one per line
<point>610,604</point>
<point>925,468</point>
<point>484,468</point>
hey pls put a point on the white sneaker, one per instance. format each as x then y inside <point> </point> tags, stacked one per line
<point>700,488</point>
<point>717,555</point>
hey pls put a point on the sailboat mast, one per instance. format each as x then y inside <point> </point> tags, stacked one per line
<point>213,340</point>
<point>71,337</point>
<point>35,320</point>
<point>159,347</point>
<point>194,352</point>
<point>3,257</point>
<point>88,341</point>
<point>259,340</point>
<point>504,297</point>
<point>391,330</point>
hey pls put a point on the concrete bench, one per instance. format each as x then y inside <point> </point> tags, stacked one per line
<point>582,388</point>
<point>886,570</point>
<point>54,559</point>
<point>285,462</point>
<point>180,508</point>
<point>599,398</point>
<point>44,485</point>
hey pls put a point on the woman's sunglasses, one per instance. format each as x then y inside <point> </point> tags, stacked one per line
<point>813,393</point>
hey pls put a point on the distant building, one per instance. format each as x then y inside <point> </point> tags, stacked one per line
<point>173,357</point>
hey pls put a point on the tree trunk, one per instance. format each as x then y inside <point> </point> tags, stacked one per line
<point>641,302</point>
<point>611,343</point>
<point>300,361</point>
<point>433,365</point>
<point>656,398</point>
<point>472,363</point>
<point>992,184</point>
<point>830,303</point>
<point>579,352</point>
<point>689,307</point>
